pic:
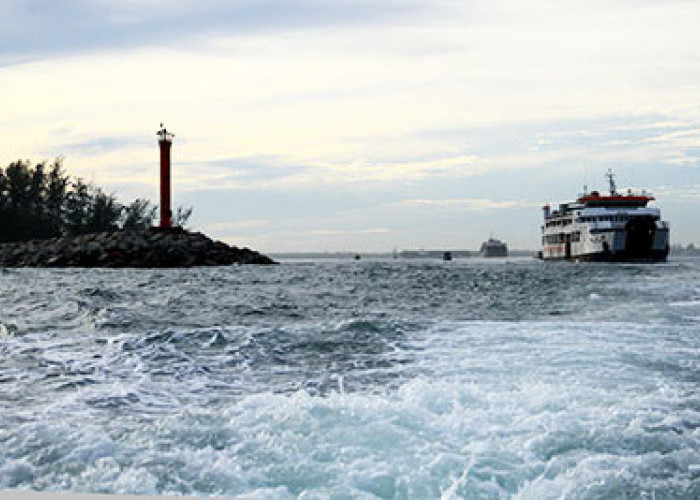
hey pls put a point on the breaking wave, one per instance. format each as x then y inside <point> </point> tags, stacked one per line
<point>506,379</point>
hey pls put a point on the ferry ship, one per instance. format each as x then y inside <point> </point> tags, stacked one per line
<point>493,248</point>
<point>618,227</point>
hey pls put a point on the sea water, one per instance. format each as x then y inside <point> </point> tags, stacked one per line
<point>341,379</point>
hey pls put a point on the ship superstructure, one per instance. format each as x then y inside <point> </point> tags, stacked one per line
<point>618,227</point>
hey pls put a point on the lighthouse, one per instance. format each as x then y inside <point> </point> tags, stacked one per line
<point>165,141</point>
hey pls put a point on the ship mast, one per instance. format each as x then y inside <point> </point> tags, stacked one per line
<point>611,180</point>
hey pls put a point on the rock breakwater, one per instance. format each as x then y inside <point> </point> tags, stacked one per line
<point>153,247</point>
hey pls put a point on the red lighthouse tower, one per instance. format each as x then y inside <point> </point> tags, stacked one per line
<point>165,142</point>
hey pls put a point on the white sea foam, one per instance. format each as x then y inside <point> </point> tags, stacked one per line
<point>443,434</point>
<point>368,400</point>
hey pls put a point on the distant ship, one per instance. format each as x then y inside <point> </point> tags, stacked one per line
<point>493,248</point>
<point>613,228</point>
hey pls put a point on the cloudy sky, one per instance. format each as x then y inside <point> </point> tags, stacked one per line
<point>361,125</point>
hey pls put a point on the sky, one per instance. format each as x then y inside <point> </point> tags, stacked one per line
<point>361,125</point>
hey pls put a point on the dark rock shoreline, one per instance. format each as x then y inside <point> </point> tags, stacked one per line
<point>143,248</point>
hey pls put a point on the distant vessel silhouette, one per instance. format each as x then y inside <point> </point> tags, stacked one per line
<point>493,248</point>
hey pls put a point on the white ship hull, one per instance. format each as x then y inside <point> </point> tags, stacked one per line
<point>610,245</point>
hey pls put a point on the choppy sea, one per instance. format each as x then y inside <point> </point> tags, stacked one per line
<point>340,379</point>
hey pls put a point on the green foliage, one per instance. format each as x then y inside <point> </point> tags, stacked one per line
<point>42,201</point>
<point>182,216</point>
<point>23,212</point>
<point>139,214</point>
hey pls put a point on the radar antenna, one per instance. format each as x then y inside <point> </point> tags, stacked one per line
<point>611,180</point>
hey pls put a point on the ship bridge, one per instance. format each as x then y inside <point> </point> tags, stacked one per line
<point>615,199</point>
<point>630,200</point>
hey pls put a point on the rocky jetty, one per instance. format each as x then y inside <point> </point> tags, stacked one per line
<point>153,247</point>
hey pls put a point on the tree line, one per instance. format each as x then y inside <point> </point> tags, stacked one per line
<point>42,201</point>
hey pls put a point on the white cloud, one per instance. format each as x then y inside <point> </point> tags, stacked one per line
<point>467,204</point>
<point>238,224</point>
<point>411,104</point>
<point>337,232</point>
<point>687,193</point>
